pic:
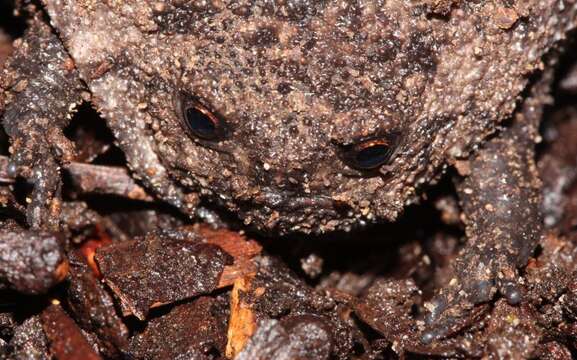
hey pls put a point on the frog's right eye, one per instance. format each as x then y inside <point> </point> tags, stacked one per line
<point>370,154</point>
<point>200,122</point>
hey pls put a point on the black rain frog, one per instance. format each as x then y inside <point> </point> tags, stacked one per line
<point>304,116</point>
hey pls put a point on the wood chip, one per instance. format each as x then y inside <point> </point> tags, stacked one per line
<point>242,324</point>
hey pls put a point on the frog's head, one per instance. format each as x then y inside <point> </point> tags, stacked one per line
<point>297,115</point>
<point>302,121</point>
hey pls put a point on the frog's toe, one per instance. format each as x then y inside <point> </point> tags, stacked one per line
<point>512,291</point>
<point>44,202</point>
<point>40,168</point>
<point>447,317</point>
<point>457,305</point>
<point>452,319</point>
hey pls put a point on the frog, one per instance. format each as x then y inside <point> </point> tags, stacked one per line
<point>304,116</point>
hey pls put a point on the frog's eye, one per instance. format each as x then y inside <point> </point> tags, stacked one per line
<point>201,122</point>
<point>367,155</point>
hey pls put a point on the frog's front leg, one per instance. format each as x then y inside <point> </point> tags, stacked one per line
<point>41,86</point>
<point>500,199</point>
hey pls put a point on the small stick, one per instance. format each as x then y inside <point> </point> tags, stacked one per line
<point>95,179</point>
<point>105,180</point>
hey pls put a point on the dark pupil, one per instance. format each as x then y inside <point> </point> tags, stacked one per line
<point>372,156</point>
<point>200,123</point>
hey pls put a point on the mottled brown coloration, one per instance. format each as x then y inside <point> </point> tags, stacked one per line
<point>294,82</point>
<point>554,350</point>
<point>275,292</point>
<point>241,249</point>
<point>105,180</point>
<point>501,202</point>
<point>40,92</point>
<point>307,116</point>
<point>387,308</point>
<point>440,7</point>
<point>520,330</point>
<point>91,179</point>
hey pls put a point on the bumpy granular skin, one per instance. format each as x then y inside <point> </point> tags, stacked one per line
<point>41,87</point>
<point>501,203</point>
<point>293,83</point>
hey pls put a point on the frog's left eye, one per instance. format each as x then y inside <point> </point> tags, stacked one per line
<point>200,121</point>
<point>368,155</point>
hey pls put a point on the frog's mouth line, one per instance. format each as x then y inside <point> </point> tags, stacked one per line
<point>290,203</point>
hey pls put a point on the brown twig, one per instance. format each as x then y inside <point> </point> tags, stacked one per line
<point>93,179</point>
